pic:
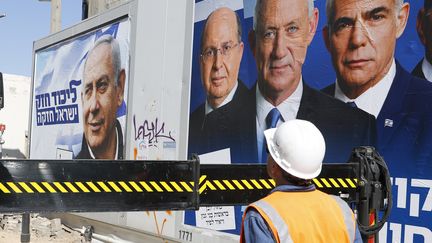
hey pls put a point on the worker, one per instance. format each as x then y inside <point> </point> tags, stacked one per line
<point>295,211</point>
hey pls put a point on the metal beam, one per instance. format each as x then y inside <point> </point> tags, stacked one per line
<point>96,185</point>
<point>100,185</point>
<point>242,184</point>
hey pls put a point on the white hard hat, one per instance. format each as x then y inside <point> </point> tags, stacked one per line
<point>298,147</point>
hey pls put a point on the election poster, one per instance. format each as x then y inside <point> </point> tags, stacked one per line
<point>229,85</point>
<point>80,95</point>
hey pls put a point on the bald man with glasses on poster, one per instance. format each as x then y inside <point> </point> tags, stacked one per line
<point>221,121</point>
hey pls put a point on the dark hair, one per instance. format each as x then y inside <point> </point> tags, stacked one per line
<point>330,9</point>
<point>295,180</point>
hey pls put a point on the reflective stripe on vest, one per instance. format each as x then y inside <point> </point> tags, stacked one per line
<point>276,220</point>
<point>348,216</point>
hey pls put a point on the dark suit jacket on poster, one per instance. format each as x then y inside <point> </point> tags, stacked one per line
<point>224,127</point>
<point>404,125</point>
<point>418,71</point>
<point>85,154</point>
<point>343,127</point>
<point>234,126</point>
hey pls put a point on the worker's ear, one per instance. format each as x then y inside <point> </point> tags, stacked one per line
<point>272,167</point>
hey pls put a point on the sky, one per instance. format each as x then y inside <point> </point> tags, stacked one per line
<point>27,21</point>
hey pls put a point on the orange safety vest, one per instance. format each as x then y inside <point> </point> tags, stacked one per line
<point>310,216</point>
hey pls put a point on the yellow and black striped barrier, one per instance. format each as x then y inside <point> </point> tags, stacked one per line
<point>243,184</point>
<point>235,184</point>
<point>160,186</point>
<point>97,185</point>
<point>89,185</point>
<point>335,182</point>
<point>268,184</point>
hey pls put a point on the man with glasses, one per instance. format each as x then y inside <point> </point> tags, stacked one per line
<point>424,30</point>
<point>220,122</point>
<point>283,30</point>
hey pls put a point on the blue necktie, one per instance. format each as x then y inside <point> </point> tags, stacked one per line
<point>272,118</point>
<point>271,121</point>
<point>352,104</point>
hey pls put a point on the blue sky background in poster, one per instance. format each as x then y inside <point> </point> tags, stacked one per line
<point>412,211</point>
<point>57,113</point>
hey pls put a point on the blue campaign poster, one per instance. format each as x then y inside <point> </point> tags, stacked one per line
<point>411,217</point>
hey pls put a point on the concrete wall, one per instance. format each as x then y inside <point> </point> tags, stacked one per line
<point>15,115</point>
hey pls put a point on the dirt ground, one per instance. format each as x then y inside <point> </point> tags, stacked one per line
<point>42,230</point>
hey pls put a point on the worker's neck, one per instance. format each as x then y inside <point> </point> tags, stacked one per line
<point>297,182</point>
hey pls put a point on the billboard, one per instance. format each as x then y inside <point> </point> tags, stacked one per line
<point>71,108</point>
<point>164,92</point>
<point>224,128</point>
<point>75,89</point>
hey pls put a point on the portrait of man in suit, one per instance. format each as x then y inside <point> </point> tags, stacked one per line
<point>282,32</point>
<point>361,36</point>
<point>102,94</point>
<point>424,31</point>
<point>218,123</point>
